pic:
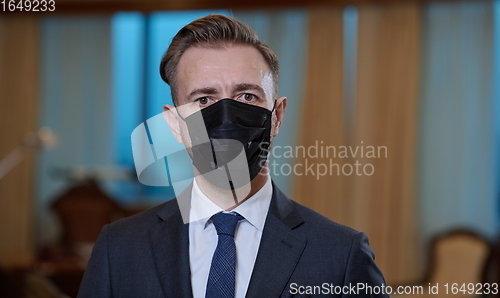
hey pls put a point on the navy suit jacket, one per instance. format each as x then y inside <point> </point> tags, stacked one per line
<point>301,254</point>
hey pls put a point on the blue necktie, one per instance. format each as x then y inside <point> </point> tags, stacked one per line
<point>222,271</point>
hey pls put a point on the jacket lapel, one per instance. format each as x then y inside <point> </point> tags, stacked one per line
<point>170,246</point>
<point>279,251</point>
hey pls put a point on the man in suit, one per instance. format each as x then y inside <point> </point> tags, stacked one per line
<point>223,77</point>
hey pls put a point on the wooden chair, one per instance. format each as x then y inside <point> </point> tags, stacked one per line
<point>83,210</point>
<point>459,257</point>
<point>455,257</point>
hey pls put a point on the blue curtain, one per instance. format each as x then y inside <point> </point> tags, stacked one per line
<point>75,74</point>
<point>457,184</point>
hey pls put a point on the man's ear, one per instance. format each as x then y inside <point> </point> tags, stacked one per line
<point>279,110</point>
<point>172,117</point>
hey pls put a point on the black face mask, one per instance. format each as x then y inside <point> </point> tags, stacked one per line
<point>233,127</point>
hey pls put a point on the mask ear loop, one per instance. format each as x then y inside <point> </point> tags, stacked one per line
<point>179,114</point>
<point>274,105</point>
<point>177,111</point>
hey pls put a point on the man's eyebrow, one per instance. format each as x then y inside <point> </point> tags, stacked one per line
<point>205,90</point>
<point>246,86</point>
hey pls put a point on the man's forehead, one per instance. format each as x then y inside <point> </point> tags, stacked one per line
<point>223,55</point>
<point>213,67</point>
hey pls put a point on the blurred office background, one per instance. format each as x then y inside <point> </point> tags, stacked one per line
<point>420,78</point>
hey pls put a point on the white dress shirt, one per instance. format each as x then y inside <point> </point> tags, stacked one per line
<point>203,237</point>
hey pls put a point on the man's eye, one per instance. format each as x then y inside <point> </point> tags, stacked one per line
<point>203,100</point>
<point>248,97</point>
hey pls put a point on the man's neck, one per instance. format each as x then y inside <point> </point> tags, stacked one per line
<point>228,199</point>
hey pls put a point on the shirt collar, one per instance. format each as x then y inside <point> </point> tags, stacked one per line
<point>254,209</point>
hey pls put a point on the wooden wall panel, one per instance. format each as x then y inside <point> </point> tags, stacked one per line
<point>18,117</point>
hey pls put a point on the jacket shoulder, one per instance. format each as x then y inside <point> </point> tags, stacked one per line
<point>144,220</point>
<point>322,222</point>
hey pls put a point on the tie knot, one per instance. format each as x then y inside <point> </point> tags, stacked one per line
<point>225,223</point>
